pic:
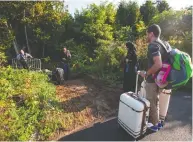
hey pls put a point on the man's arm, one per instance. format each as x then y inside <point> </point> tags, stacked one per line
<point>154,52</point>
<point>156,66</point>
<point>69,54</point>
<point>28,55</point>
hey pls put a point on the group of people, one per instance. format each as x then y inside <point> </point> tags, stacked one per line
<point>65,59</point>
<point>156,55</point>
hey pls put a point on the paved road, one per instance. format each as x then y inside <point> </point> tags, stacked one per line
<point>178,125</point>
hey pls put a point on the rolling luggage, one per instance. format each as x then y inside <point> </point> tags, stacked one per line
<point>133,113</point>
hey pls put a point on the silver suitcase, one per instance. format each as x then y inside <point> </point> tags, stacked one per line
<point>133,113</point>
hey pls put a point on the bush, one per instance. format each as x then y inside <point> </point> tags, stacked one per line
<point>182,43</point>
<point>141,47</point>
<point>26,99</point>
<point>108,60</point>
<point>2,59</point>
<point>123,34</point>
<point>79,57</point>
<point>6,37</point>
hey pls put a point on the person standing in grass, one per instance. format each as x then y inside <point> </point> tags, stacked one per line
<point>130,62</point>
<point>66,57</point>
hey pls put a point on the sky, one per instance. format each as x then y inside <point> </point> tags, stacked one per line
<point>79,4</point>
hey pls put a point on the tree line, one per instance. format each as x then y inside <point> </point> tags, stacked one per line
<point>44,27</point>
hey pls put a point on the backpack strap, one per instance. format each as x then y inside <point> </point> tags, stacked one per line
<point>162,44</point>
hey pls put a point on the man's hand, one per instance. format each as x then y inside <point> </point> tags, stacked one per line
<point>142,73</point>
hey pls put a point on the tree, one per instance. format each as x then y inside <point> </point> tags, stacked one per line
<point>127,13</point>
<point>124,34</point>
<point>163,6</point>
<point>148,11</point>
<point>139,29</point>
<point>169,21</point>
<point>6,38</point>
<point>186,22</point>
<point>42,24</point>
<point>95,25</point>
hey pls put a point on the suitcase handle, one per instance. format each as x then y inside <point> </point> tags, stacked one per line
<point>137,78</point>
<point>135,96</point>
<point>137,82</point>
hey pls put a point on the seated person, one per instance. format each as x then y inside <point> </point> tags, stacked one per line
<point>22,57</point>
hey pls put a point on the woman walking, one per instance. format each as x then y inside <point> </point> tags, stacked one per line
<point>130,64</point>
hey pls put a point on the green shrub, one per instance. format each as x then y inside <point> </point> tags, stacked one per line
<point>182,43</point>
<point>26,98</point>
<point>108,60</point>
<point>79,57</point>
<point>141,47</point>
<point>6,37</point>
<point>169,22</point>
<point>2,58</point>
<point>124,34</point>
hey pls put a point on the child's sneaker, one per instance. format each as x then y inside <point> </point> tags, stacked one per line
<point>152,127</point>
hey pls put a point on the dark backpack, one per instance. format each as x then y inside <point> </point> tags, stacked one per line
<point>58,75</point>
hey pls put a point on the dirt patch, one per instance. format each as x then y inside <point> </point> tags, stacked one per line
<point>84,102</point>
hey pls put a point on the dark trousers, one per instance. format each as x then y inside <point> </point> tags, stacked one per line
<point>129,81</point>
<point>24,64</point>
<point>66,69</point>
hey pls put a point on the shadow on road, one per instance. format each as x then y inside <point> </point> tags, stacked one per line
<point>106,131</point>
<point>180,111</point>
